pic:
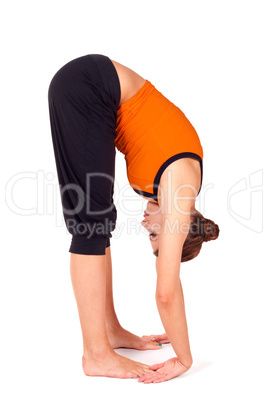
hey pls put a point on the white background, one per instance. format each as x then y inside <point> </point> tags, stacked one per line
<point>210,59</point>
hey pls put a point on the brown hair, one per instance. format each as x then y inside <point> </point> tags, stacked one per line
<point>201,230</point>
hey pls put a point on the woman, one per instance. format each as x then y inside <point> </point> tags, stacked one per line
<point>96,104</point>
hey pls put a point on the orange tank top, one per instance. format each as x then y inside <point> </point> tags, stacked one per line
<point>152,133</point>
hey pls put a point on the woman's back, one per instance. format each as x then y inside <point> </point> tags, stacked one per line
<point>153,133</point>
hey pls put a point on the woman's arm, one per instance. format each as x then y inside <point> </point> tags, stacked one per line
<point>169,293</point>
<point>176,203</point>
<point>170,304</point>
<point>163,338</point>
<point>172,313</point>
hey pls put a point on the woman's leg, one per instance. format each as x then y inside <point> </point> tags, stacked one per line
<point>112,322</point>
<point>83,119</point>
<point>118,336</point>
<point>88,280</point>
<point>88,276</point>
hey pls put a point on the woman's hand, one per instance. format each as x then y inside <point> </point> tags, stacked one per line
<point>157,338</point>
<point>164,371</point>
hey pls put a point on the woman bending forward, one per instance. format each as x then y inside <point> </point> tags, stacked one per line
<point>95,106</point>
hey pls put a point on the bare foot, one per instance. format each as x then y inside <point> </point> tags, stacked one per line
<point>121,338</point>
<point>114,365</point>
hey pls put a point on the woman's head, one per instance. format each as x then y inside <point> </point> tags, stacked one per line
<point>201,230</point>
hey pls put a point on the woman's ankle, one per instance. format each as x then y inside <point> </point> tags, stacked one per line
<point>97,353</point>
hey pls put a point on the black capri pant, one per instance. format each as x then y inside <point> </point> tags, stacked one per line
<point>83,98</point>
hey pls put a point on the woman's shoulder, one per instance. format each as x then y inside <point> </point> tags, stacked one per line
<point>182,178</point>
